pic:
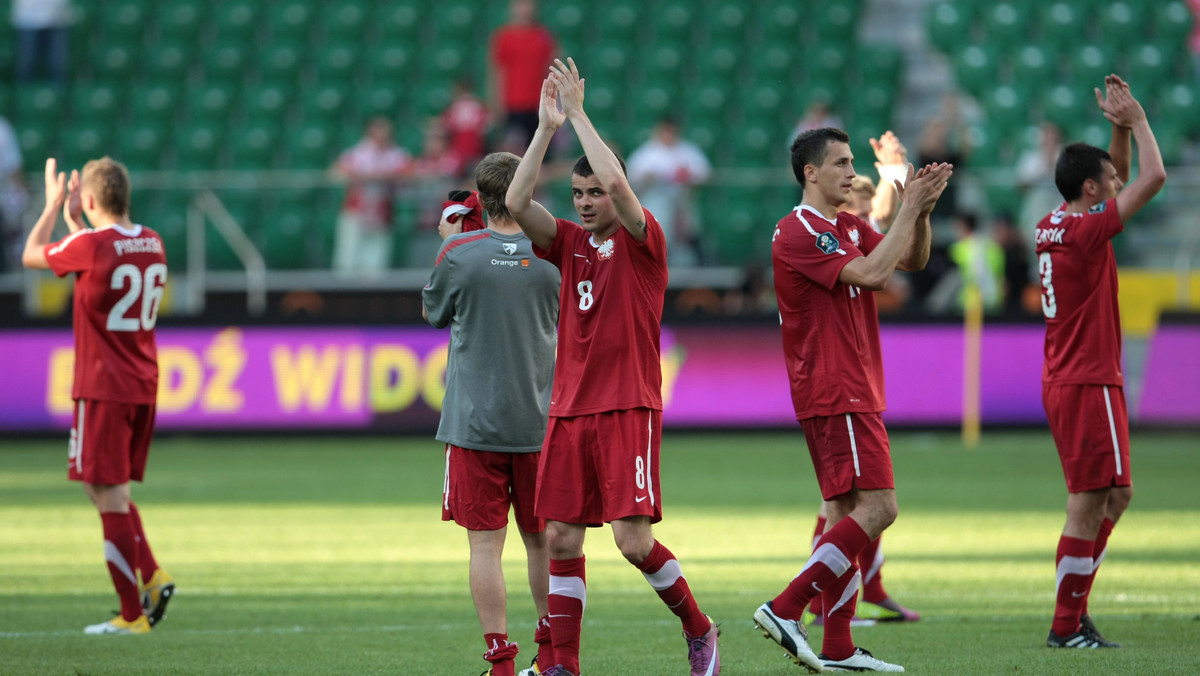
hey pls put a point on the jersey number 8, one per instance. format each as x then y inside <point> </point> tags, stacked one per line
<point>149,289</point>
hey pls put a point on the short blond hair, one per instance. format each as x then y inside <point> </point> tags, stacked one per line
<point>493,175</point>
<point>108,181</point>
<point>863,185</point>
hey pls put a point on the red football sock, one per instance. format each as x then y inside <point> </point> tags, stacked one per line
<point>500,654</point>
<point>568,598</point>
<point>841,600</point>
<point>120,552</point>
<point>870,562</point>
<point>663,573</point>
<point>815,607</point>
<point>146,563</point>
<point>1098,552</point>
<point>545,656</point>
<point>833,557</point>
<point>1074,567</point>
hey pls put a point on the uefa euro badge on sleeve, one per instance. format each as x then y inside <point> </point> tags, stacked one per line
<point>827,243</point>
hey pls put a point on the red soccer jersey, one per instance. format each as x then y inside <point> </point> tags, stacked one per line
<point>1079,296</point>
<point>610,318</point>
<point>119,278</point>
<point>523,55</point>
<point>830,330</point>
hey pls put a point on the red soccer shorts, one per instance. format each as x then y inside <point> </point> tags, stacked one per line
<point>110,441</point>
<point>480,486</point>
<point>601,467</point>
<point>849,451</point>
<point>1090,426</point>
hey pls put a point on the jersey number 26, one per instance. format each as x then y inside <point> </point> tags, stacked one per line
<point>148,288</point>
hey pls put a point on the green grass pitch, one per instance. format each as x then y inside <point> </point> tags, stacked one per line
<point>328,556</point>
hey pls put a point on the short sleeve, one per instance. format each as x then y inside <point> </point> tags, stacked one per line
<point>438,296</point>
<point>820,253</point>
<point>1101,223</point>
<point>555,252</point>
<point>74,253</point>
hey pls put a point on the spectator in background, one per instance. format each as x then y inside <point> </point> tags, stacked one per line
<point>13,197</point>
<point>465,121</point>
<point>1016,265</point>
<point>42,28</point>
<point>817,116</point>
<point>979,260</point>
<point>663,171</point>
<point>435,172</point>
<point>944,139</point>
<point>373,169</point>
<point>520,55</point>
<point>1035,175</point>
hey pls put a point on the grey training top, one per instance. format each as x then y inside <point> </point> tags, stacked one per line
<point>501,303</point>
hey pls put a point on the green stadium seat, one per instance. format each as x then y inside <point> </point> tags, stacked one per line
<point>652,101</point>
<point>1007,109</point>
<point>752,143</point>
<point>880,64</point>
<point>1148,69</point>
<point>102,100</point>
<point>780,22</point>
<point>37,103</point>
<point>171,61</point>
<point>124,20</point>
<point>269,100</point>
<point>286,234</point>
<point>198,146</point>
<point>1179,105</point>
<point>85,140</point>
<point>709,103</point>
<point>115,60</point>
<point>346,20</point>
<point>1089,65</point>
<point>292,20</point>
<point>1032,66</point>
<point>990,145</point>
<point>254,145</point>
<point>442,65</point>
<point>873,107</point>
<point>210,103</point>
<point>1172,25</point>
<point>382,99</point>
<point>457,17</point>
<point>141,143</point>
<point>392,65</point>
<point>568,20</point>
<point>946,25</point>
<point>181,21</point>
<point>226,62</point>
<point>281,60</point>
<point>720,65</point>
<point>608,64</point>
<point>774,64</point>
<point>326,102</point>
<point>708,135</point>
<point>836,22</point>
<point>37,142</point>
<point>602,101</point>
<point>338,60</point>
<point>674,20</point>
<point>662,63</point>
<point>1121,21</point>
<point>1006,23</point>
<point>400,23</point>
<point>975,68</point>
<point>1063,23</point>
<point>237,20</point>
<point>156,99</point>
<point>764,104</point>
<point>1065,105</point>
<point>728,20</point>
<point>164,212</point>
<point>310,146</point>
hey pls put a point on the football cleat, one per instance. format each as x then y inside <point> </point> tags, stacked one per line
<point>887,610</point>
<point>861,660</point>
<point>702,651</point>
<point>119,625</point>
<point>156,593</point>
<point>1086,621</point>
<point>789,634</point>
<point>1085,638</point>
<point>557,670</point>
<point>531,671</point>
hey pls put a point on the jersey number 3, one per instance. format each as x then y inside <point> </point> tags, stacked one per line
<point>1046,268</point>
<point>148,288</point>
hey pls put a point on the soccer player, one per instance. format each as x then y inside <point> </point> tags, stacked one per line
<point>501,304</point>
<point>826,264</point>
<point>600,457</point>
<point>1082,384</point>
<point>120,271</point>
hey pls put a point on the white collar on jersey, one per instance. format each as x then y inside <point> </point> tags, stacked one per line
<point>137,230</point>
<point>806,207</point>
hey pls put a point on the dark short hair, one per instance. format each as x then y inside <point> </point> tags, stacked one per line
<point>493,175</point>
<point>968,220</point>
<point>583,168</point>
<point>810,147</point>
<point>1076,164</point>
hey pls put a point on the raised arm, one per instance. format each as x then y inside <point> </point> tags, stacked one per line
<point>73,204</point>
<point>1119,146</point>
<point>919,194</point>
<point>604,163</point>
<point>1123,110</point>
<point>34,255</point>
<point>891,161</point>
<point>537,223</point>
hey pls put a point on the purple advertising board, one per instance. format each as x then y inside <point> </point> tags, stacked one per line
<point>280,378</point>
